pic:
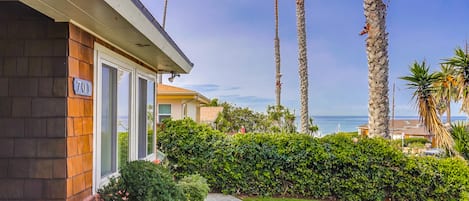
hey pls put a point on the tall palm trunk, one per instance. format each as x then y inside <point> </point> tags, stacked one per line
<point>278,84</point>
<point>445,90</point>
<point>376,47</point>
<point>448,111</point>
<point>303,63</point>
<point>160,76</point>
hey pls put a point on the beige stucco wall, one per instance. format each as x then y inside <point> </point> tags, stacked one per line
<point>177,110</point>
<point>192,110</point>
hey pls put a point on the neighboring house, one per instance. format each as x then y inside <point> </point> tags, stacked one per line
<point>400,128</point>
<point>77,80</point>
<point>208,115</point>
<point>178,103</point>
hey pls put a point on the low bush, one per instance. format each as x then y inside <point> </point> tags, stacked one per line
<point>460,133</point>
<point>142,180</point>
<point>342,166</point>
<point>415,141</point>
<point>194,187</point>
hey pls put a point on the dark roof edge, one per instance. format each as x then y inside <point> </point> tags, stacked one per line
<point>157,25</point>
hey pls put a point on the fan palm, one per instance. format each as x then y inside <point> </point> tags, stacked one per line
<point>460,62</point>
<point>445,89</point>
<point>421,80</point>
<point>378,68</point>
<point>303,64</point>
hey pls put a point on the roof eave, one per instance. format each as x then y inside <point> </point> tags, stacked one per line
<point>125,24</point>
<point>196,96</point>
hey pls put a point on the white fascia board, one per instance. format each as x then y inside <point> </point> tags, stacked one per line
<point>137,26</point>
<point>58,16</point>
<point>134,15</point>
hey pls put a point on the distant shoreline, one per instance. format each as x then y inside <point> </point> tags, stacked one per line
<point>329,124</point>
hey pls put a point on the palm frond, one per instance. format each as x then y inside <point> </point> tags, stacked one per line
<point>460,63</point>
<point>421,80</point>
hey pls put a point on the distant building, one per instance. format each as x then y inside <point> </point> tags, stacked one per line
<point>400,128</point>
<point>208,115</point>
<point>179,103</point>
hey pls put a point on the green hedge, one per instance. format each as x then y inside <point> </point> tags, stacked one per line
<point>190,146</point>
<point>333,167</point>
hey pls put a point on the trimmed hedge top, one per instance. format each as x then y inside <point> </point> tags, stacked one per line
<point>333,167</point>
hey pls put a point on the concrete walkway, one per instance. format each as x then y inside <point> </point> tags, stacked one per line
<point>220,197</point>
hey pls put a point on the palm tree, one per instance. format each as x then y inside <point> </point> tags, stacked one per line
<point>460,62</point>
<point>445,89</point>
<point>278,84</point>
<point>376,48</point>
<point>303,63</point>
<point>421,80</point>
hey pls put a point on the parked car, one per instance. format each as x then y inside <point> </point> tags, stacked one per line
<point>434,152</point>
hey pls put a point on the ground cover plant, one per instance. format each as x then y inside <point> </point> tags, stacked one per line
<point>275,199</point>
<point>343,166</point>
<point>146,181</point>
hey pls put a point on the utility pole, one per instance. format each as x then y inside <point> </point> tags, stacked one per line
<point>393,106</point>
<point>160,75</point>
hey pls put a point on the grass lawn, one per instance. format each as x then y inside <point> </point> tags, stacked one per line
<point>274,199</point>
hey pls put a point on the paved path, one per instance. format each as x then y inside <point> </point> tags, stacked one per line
<point>220,197</point>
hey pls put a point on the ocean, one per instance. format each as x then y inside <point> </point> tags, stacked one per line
<point>333,124</point>
<point>327,124</point>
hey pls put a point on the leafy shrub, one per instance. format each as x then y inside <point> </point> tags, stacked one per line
<point>263,164</point>
<point>460,133</point>
<point>362,169</point>
<point>123,144</point>
<point>416,141</point>
<point>276,119</point>
<point>194,187</point>
<point>190,147</point>
<point>430,178</point>
<point>341,166</point>
<point>113,191</point>
<point>142,180</point>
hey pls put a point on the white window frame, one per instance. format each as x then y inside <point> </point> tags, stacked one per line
<point>149,77</point>
<point>170,114</point>
<point>103,55</point>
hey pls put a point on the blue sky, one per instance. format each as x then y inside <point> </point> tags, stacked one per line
<point>231,44</point>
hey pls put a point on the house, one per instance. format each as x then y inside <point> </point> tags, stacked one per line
<point>208,115</point>
<point>179,103</point>
<point>76,76</point>
<point>400,128</point>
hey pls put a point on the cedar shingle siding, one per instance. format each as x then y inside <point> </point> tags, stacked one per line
<point>33,104</point>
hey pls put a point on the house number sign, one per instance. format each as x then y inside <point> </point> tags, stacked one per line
<point>82,87</point>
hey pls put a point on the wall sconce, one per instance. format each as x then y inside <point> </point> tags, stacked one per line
<point>173,75</point>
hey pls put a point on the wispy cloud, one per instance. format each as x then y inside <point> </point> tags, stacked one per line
<point>231,44</point>
<point>254,102</point>
<point>210,87</point>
